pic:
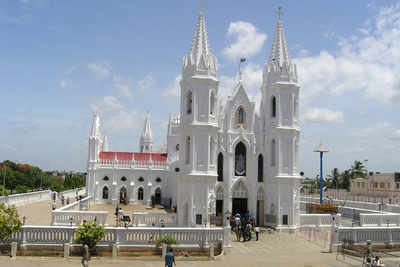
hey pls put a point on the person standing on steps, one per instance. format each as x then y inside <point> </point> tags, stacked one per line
<point>169,258</point>
<point>257,230</point>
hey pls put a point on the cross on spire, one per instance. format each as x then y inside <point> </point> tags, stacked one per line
<point>202,5</point>
<point>279,12</point>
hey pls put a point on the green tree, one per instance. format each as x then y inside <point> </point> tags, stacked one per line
<point>358,170</point>
<point>346,179</point>
<point>9,221</point>
<point>90,233</point>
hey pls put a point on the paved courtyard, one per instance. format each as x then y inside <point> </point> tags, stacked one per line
<point>38,213</point>
<point>272,250</point>
<point>127,209</point>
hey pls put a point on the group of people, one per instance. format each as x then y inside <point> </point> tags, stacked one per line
<point>243,225</point>
<point>375,263</point>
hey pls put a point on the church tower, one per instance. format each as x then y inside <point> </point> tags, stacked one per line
<point>198,131</point>
<point>146,139</point>
<point>279,118</point>
<point>95,146</point>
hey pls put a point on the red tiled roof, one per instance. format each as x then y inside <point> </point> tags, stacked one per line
<point>137,156</point>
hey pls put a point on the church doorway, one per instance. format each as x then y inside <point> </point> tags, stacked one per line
<point>239,205</point>
<point>239,198</point>
<point>123,196</point>
<point>157,196</point>
<point>219,207</point>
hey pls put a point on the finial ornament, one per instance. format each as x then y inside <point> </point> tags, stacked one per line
<point>279,12</point>
<point>202,5</point>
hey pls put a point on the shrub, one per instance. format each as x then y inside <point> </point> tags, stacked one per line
<point>166,240</point>
<point>9,221</point>
<point>90,233</point>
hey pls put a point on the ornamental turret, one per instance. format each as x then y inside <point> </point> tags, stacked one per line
<point>146,139</point>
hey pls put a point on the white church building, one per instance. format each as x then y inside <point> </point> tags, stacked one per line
<point>219,158</point>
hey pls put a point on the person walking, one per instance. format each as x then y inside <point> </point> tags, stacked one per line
<point>54,205</point>
<point>85,255</point>
<point>62,200</point>
<point>257,230</point>
<point>169,258</point>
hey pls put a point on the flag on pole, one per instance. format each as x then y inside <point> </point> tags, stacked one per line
<point>242,59</point>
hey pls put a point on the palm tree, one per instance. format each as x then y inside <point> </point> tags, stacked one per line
<point>358,170</point>
<point>346,179</point>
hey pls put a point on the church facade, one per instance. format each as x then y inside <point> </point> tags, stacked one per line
<point>219,158</point>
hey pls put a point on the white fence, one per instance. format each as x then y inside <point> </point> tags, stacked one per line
<point>121,236</point>
<point>73,193</point>
<point>153,219</point>
<point>75,213</point>
<point>320,220</point>
<point>356,204</point>
<point>142,164</point>
<point>380,219</point>
<point>26,198</point>
<point>378,235</point>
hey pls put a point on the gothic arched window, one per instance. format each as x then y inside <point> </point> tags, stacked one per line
<point>158,180</point>
<point>140,193</point>
<point>141,179</point>
<point>106,178</point>
<point>220,168</point>
<point>212,103</point>
<point>260,168</point>
<point>273,106</point>
<point>188,150</point>
<point>105,192</point>
<point>273,153</point>
<point>211,150</point>
<point>189,102</point>
<point>240,159</point>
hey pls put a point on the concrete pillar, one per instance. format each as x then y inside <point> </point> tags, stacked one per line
<point>164,250</point>
<point>13,250</point>
<point>114,251</point>
<point>227,240</point>
<point>212,252</point>
<point>66,250</point>
<point>334,237</point>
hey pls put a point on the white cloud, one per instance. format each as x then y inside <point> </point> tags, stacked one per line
<point>173,88</point>
<point>123,86</point>
<point>248,40</point>
<point>124,120</point>
<point>323,115</point>
<point>108,103</point>
<point>368,62</point>
<point>147,83</point>
<point>100,69</point>
<point>63,83</point>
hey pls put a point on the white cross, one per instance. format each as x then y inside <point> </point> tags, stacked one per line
<point>279,12</point>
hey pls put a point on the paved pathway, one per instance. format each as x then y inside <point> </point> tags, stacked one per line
<point>38,213</point>
<point>272,250</point>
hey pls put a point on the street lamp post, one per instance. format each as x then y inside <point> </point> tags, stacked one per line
<point>321,149</point>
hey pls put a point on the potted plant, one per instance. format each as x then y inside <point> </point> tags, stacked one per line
<point>90,233</point>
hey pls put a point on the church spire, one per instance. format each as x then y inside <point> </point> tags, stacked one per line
<point>279,51</point>
<point>200,60</point>
<point>95,132</point>
<point>146,139</point>
<point>279,68</point>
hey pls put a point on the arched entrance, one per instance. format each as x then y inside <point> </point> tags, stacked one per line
<point>123,196</point>
<point>260,207</point>
<point>157,196</point>
<point>219,206</point>
<point>239,198</point>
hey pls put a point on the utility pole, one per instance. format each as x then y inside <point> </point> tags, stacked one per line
<point>4,178</point>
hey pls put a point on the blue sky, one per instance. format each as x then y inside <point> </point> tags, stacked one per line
<point>62,60</point>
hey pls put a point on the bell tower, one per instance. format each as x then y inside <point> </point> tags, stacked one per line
<point>280,117</point>
<point>198,130</point>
